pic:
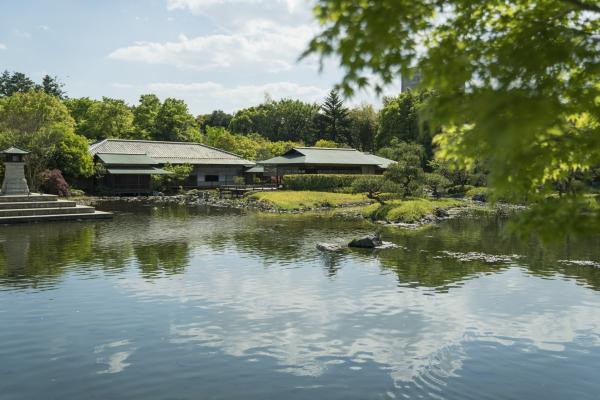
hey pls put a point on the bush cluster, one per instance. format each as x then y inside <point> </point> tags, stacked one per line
<point>323,182</point>
<point>53,182</point>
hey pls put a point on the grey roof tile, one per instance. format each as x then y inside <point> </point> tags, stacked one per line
<point>170,152</point>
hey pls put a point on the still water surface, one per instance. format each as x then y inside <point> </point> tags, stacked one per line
<point>174,303</point>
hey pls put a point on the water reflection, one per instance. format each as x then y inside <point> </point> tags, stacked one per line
<point>171,302</point>
<point>161,241</point>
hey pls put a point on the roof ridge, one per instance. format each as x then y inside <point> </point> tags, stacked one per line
<point>127,154</point>
<point>96,145</point>
<point>326,148</point>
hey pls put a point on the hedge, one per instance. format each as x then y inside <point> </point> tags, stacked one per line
<point>321,182</point>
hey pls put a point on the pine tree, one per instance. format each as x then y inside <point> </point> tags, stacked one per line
<point>336,119</point>
<point>53,87</point>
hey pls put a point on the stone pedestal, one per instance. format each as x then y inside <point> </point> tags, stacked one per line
<point>14,179</point>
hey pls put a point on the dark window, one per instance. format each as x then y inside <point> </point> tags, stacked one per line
<point>211,178</point>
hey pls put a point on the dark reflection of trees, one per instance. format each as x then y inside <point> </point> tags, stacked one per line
<point>422,264</point>
<point>279,238</point>
<point>160,240</point>
<point>170,258</point>
<point>39,254</point>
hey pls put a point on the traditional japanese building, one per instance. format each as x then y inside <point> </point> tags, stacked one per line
<point>321,160</point>
<point>129,164</point>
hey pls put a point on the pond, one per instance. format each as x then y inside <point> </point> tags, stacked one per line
<point>178,303</point>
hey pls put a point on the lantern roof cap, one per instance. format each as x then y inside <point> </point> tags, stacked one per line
<point>14,150</point>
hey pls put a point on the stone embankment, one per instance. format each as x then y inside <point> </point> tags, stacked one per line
<point>194,198</point>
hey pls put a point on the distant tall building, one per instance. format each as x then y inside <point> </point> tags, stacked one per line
<point>411,81</point>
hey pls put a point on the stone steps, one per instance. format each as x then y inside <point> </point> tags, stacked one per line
<point>44,207</point>
<point>27,198</point>
<point>37,204</point>
<point>55,217</point>
<point>19,212</point>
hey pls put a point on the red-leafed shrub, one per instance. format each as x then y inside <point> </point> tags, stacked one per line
<point>53,182</point>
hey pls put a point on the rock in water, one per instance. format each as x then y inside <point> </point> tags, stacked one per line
<point>329,247</point>
<point>366,242</point>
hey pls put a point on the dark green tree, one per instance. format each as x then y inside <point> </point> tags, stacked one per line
<point>16,82</point>
<point>217,118</point>
<point>52,86</point>
<point>336,119</point>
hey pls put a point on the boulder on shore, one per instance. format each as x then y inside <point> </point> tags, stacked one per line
<point>366,242</point>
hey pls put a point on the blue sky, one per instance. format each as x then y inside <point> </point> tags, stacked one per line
<point>214,54</point>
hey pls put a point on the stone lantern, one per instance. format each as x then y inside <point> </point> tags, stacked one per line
<point>14,172</point>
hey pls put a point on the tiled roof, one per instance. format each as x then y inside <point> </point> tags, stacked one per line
<point>327,156</point>
<point>170,152</point>
<point>126,159</point>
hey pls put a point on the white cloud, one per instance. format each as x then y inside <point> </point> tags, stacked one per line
<point>3,46</point>
<point>259,44</point>
<point>22,34</point>
<point>201,5</point>
<point>43,27</point>
<point>211,95</point>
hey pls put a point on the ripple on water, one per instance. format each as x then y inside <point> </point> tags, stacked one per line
<point>164,303</point>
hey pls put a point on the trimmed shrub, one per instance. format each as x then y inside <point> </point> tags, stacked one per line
<point>53,182</point>
<point>478,193</point>
<point>323,182</point>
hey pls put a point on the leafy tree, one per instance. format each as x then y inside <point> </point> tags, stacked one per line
<point>286,119</point>
<point>179,173</point>
<point>250,147</point>
<point>41,124</point>
<point>175,123</point>
<point>363,123</point>
<point>516,84</point>
<point>336,119</point>
<point>217,118</point>
<point>52,86</point>
<point>436,183</point>
<point>19,82</point>
<point>398,150</point>
<point>373,186</point>
<point>402,118</point>
<point>407,172</point>
<point>144,116</point>
<point>97,120</point>
<point>327,143</point>
<point>16,82</point>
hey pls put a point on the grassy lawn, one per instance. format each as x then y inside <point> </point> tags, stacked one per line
<point>410,210</point>
<point>304,199</point>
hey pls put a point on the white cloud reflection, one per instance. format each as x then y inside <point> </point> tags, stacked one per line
<point>308,328</point>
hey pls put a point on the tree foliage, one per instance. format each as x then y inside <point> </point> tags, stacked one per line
<point>40,123</point>
<point>101,119</point>
<point>407,173</point>
<point>175,123</point>
<point>516,83</point>
<point>363,125</point>
<point>250,147</point>
<point>282,120</point>
<point>402,118</point>
<point>144,116</point>
<point>18,82</point>
<point>336,120</point>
